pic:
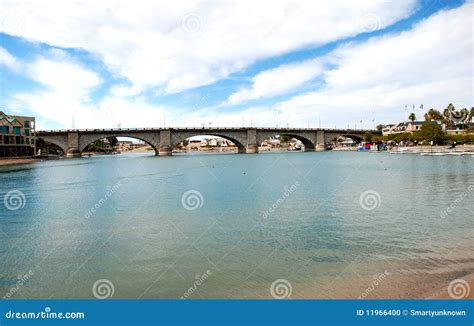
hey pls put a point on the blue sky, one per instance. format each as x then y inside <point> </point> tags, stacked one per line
<point>302,64</point>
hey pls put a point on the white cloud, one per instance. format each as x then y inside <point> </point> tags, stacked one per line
<point>66,87</point>
<point>430,64</point>
<point>278,81</point>
<point>64,97</point>
<point>192,43</point>
<point>61,75</point>
<point>8,60</point>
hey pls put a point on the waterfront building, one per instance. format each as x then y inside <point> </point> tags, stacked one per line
<point>17,136</point>
<point>402,127</point>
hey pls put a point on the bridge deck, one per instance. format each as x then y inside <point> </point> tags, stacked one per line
<point>123,130</point>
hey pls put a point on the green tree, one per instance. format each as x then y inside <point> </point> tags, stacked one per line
<point>412,117</point>
<point>380,127</point>
<point>465,114</point>
<point>435,115</point>
<point>447,114</point>
<point>113,141</point>
<point>432,132</point>
<point>368,137</point>
<point>284,138</point>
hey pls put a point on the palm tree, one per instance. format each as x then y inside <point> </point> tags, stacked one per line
<point>412,117</point>
<point>435,115</point>
<point>447,115</point>
<point>464,116</point>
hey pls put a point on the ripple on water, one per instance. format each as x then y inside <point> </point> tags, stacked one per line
<point>317,234</point>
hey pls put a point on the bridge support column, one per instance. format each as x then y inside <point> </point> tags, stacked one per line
<point>165,148</point>
<point>320,141</point>
<point>252,145</point>
<point>73,145</point>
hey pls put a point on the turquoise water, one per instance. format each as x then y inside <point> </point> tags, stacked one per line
<point>153,226</point>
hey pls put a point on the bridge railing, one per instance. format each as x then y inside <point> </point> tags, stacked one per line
<point>276,129</point>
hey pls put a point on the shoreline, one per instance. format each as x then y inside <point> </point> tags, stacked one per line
<point>442,292</point>
<point>396,287</point>
<point>19,161</point>
<point>459,149</point>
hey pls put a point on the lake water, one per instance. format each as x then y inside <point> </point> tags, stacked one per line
<point>229,225</point>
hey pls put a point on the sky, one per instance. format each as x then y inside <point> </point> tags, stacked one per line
<point>104,64</point>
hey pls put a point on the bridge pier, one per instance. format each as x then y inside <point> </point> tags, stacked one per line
<point>165,148</point>
<point>73,152</point>
<point>164,151</point>
<point>320,147</point>
<point>320,141</point>
<point>73,145</point>
<point>252,149</point>
<point>252,145</point>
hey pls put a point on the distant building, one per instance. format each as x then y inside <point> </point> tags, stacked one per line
<point>196,144</point>
<point>348,142</point>
<point>193,144</point>
<point>402,127</point>
<point>124,145</point>
<point>457,131</point>
<point>17,136</point>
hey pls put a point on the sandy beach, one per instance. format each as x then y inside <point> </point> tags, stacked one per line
<point>442,292</point>
<point>419,286</point>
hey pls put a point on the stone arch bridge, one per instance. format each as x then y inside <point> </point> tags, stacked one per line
<point>247,140</point>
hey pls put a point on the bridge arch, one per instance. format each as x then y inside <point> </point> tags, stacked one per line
<point>179,138</point>
<point>86,141</point>
<point>308,144</point>
<point>308,141</point>
<point>60,142</point>
<point>355,138</point>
